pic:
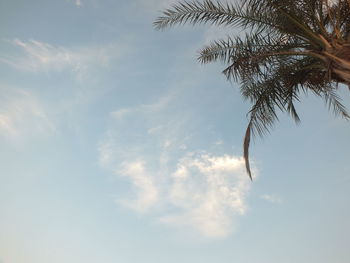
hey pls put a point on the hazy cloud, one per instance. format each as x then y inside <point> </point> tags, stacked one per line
<point>37,56</point>
<point>210,192</point>
<point>145,188</point>
<point>157,5</point>
<point>145,108</point>
<point>272,198</point>
<point>78,3</point>
<point>22,113</point>
<point>204,191</point>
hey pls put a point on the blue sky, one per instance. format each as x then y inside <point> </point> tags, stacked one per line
<point>117,146</point>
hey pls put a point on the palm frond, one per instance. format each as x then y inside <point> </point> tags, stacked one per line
<point>254,44</point>
<point>333,101</point>
<point>215,13</point>
<point>291,46</point>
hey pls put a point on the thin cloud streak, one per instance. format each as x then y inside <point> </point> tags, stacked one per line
<point>274,199</point>
<point>156,5</point>
<point>37,56</point>
<point>158,106</point>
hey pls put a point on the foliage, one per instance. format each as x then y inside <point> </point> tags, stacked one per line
<point>290,47</point>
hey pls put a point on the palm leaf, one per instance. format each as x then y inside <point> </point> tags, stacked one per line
<point>288,49</point>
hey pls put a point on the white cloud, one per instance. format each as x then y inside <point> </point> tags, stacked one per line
<point>207,192</point>
<point>156,5</point>
<point>204,191</point>
<point>106,153</point>
<point>146,191</point>
<point>272,198</point>
<point>22,113</point>
<point>119,114</point>
<point>210,192</point>
<point>78,3</point>
<point>39,56</point>
<point>150,108</point>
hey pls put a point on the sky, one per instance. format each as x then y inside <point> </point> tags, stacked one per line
<point>118,146</point>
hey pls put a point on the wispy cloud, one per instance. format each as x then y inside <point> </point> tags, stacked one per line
<point>22,113</point>
<point>210,192</point>
<point>156,5</point>
<point>145,108</point>
<point>37,56</point>
<point>272,198</point>
<point>202,190</point>
<point>144,183</point>
<point>78,2</point>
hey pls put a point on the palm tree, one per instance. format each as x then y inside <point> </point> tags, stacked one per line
<point>290,47</point>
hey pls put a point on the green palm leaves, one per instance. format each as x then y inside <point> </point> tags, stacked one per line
<point>291,47</point>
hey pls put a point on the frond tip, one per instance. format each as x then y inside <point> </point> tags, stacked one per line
<point>246,144</point>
